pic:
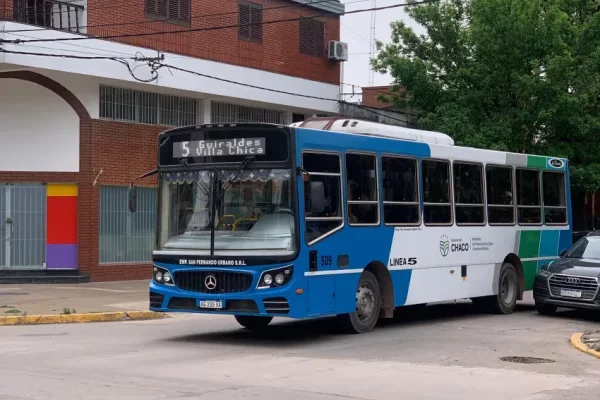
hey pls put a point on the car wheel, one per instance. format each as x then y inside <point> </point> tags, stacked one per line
<point>254,323</point>
<point>368,306</point>
<point>545,309</point>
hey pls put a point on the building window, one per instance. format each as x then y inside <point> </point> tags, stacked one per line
<point>226,113</point>
<point>172,11</point>
<point>361,186</point>
<point>322,195</point>
<point>529,204</point>
<point>437,204</point>
<point>469,205</point>
<point>250,21</point>
<point>555,198</point>
<point>120,104</point>
<point>126,237</point>
<point>312,37</point>
<point>499,183</point>
<point>400,191</point>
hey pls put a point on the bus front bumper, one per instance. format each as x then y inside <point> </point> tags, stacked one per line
<point>282,302</point>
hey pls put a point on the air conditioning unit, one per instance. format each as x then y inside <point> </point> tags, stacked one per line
<point>338,51</point>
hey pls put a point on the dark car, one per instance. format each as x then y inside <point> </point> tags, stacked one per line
<point>571,281</point>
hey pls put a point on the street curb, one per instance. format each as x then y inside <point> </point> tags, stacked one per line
<point>579,345</point>
<point>81,318</point>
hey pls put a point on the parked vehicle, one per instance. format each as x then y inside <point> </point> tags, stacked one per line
<point>571,281</point>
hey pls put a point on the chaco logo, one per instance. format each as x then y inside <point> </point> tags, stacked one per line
<point>444,245</point>
<point>555,163</point>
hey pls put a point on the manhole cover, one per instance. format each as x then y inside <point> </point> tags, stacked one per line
<point>526,360</point>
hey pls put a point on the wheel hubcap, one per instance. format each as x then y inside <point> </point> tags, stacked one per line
<point>365,302</point>
<point>507,289</point>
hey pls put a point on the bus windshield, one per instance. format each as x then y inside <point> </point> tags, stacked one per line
<point>254,213</point>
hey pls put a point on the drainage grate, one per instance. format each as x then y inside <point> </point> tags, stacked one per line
<point>526,360</point>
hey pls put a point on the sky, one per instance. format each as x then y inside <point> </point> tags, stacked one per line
<point>355,30</point>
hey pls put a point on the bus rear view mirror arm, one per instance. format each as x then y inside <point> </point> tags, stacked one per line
<point>133,190</point>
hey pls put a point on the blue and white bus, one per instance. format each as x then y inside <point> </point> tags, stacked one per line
<point>347,218</point>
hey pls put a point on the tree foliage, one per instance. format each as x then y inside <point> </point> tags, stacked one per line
<point>512,75</point>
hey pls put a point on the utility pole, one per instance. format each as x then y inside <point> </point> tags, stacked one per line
<point>372,43</point>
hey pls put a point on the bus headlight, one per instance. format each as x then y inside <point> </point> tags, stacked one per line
<point>279,279</point>
<point>282,276</point>
<point>162,276</point>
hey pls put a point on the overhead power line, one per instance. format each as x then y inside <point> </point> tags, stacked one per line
<point>215,28</point>
<point>161,65</point>
<point>151,61</point>
<point>155,64</point>
<point>198,16</point>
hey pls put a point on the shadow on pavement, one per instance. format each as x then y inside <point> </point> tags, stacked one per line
<point>290,333</point>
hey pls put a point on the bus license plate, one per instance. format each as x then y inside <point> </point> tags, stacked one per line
<point>213,304</point>
<point>570,293</point>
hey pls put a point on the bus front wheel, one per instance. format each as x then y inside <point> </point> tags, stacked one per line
<point>368,306</point>
<point>252,322</point>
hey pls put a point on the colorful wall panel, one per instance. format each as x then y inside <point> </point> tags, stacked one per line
<point>61,228</point>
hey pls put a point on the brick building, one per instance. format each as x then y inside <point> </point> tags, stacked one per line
<point>76,132</point>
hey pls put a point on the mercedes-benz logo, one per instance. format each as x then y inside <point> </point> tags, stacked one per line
<point>573,280</point>
<point>210,282</point>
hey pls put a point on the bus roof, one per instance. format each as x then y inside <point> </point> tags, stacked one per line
<point>362,127</point>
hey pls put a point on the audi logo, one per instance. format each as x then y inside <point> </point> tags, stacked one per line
<point>573,280</point>
<point>210,282</point>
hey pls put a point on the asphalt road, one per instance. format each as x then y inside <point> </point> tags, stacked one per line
<point>450,352</point>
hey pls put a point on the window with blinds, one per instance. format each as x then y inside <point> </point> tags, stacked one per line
<point>312,37</point>
<point>173,11</point>
<point>122,104</point>
<point>250,21</point>
<point>227,113</point>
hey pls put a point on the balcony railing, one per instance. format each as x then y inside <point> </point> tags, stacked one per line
<point>53,14</point>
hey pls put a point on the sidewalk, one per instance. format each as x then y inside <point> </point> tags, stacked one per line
<point>18,300</point>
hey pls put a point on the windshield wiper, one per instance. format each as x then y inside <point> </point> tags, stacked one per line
<point>237,173</point>
<point>201,185</point>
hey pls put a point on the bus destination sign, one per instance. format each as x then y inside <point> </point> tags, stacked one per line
<point>220,147</point>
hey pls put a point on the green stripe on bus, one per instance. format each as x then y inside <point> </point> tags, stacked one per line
<point>529,271</point>
<point>536,162</point>
<point>529,247</point>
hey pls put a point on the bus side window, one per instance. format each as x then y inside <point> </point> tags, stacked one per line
<point>322,215</point>
<point>499,183</point>
<point>468,194</point>
<point>555,198</point>
<point>529,203</point>
<point>436,192</point>
<point>400,191</point>
<point>361,185</point>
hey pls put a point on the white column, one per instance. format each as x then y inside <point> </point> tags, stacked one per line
<point>206,111</point>
<point>288,117</point>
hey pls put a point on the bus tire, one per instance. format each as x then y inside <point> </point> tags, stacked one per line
<point>508,290</point>
<point>253,323</point>
<point>368,306</point>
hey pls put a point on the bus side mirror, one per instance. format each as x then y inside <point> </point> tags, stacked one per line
<point>132,198</point>
<point>562,253</point>
<point>317,197</point>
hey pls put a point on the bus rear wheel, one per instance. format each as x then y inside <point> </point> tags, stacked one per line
<point>368,306</point>
<point>253,323</point>
<point>508,291</point>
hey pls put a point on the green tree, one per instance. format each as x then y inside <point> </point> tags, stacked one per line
<point>513,75</point>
